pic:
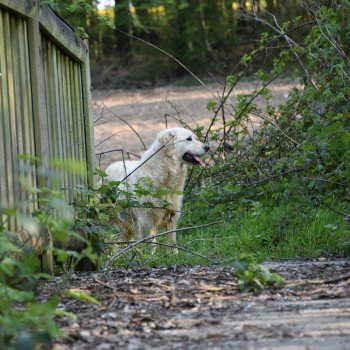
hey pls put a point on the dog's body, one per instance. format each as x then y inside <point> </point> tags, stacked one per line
<point>163,166</point>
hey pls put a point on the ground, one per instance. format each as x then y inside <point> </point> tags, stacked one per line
<point>202,308</point>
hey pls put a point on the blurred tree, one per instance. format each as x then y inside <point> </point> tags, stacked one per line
<point>203,34</point>
<point>123,24</point>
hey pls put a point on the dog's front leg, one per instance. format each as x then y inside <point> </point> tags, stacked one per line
<point>171,237</point>
<point>171,240</point>
<point>146,227</point>
<point>153,232</point>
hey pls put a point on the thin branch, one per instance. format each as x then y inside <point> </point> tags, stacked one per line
<point>109,137</point>
<point>127,123</point>
<point>123,251</point>
<point>318,282</point>
<point>168,54</point>
<point>146,160</point>
<point>117,150</point>
<point>321,202</point>
<point>165,245</point>
<point>185,250</point>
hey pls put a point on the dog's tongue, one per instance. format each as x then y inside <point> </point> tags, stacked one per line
<point>199,160</point>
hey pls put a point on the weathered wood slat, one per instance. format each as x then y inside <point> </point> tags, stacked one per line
<point>88,122</point>
<point>17,113</point>
<point>79,89</point>
<point>3,81</point>
<point>7,78</point>
<point>27,118</point>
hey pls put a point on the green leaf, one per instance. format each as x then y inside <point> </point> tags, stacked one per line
<point>211,105</point>
<point>81,296</point>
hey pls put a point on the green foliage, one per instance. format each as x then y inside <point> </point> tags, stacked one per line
<point>283,188</point>
<point>253,277</point>
<point>25,322</point>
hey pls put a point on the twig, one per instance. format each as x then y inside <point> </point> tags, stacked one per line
<point>321,202</point>
<point>117,150</point>
<point>318,282</point>
<point>325,180</point>
<point>146,160</point>
<point>289,41</point>
<point>108,137</point>
<point>185,250</point>
<point>165,245</point>
<point>128,124</point>
<point>103,284</point>
<point>168,54</point>
<point>114,257</point>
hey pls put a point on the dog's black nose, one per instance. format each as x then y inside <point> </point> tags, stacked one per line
<point>206,148</point>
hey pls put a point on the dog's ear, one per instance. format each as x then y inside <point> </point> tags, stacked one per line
<point>167,141</point>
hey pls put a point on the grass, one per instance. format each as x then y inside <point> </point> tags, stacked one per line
<point>270,233</point>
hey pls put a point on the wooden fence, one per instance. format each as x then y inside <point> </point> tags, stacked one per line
<point>45,100</point>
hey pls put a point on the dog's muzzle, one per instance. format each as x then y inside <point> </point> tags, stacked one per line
<point>195,159</point>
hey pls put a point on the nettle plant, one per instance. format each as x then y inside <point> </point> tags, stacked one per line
<point>298,149</point>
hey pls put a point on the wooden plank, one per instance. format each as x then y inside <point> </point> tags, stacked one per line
<point>3,82</point>
<point>88,122</point>
<point>39,111</point>
<point>50,97</point>
<point>28,118</point>
<point>62,116</point>
<point>38,93</point>
<point>8,97</point>
<point>47,90</point>
<point>24,8</point>
<point>75,125</point>
<point>66,120</point>
<point>62,34</point>
<point>76,80</point>
<point>17,112</point>
<point>56,109</point>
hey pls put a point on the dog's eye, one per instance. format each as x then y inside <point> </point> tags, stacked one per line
<point>189,138</point>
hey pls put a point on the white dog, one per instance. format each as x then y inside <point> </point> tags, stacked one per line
<point>162,166</point>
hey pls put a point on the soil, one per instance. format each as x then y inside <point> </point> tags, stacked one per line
<point>202,308</point>
<point>149,111</point>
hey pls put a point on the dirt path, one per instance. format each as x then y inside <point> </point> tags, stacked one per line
<point>145,111</point>
<point>201,308</point>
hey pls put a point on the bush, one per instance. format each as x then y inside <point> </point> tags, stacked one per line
<point>299,156</point>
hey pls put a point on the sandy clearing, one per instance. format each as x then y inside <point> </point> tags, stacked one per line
<point>145,111</point>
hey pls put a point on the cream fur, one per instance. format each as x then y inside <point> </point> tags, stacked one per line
<point>161,166</point>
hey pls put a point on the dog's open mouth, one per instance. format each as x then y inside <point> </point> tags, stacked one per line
<point>193,159</point>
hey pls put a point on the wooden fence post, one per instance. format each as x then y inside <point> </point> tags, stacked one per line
<point>40,119</point>
<point>89,130</point>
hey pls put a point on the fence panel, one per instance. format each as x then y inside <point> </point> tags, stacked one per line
<point>65,112</point>
<point>16,122</point>
<point>45,102</point>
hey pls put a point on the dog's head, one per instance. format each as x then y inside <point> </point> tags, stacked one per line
<point>183,144</point>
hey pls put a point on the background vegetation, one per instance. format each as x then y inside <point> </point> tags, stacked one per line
<point>207,36</point>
